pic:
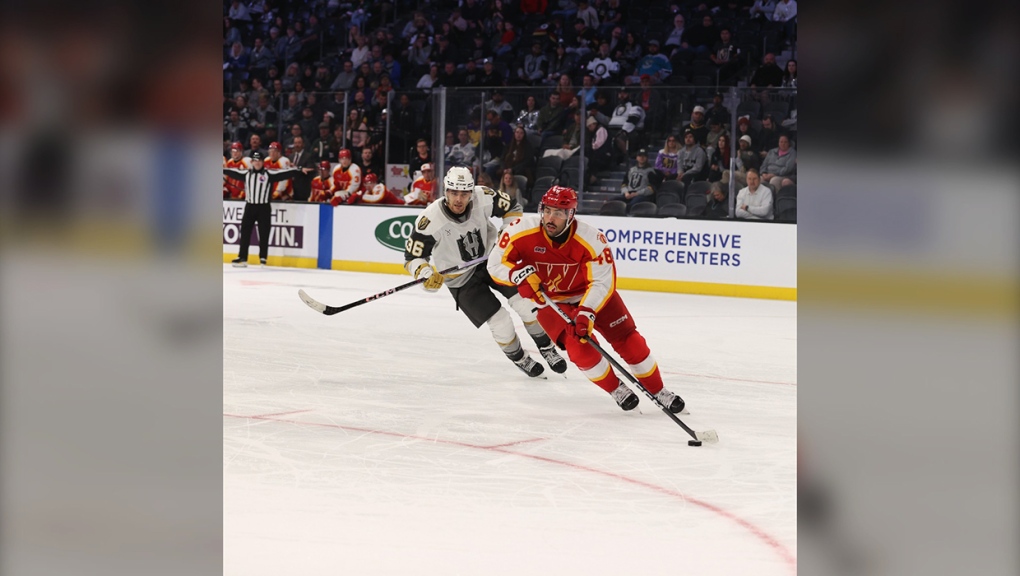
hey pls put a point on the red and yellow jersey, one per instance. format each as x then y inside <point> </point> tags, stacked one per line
<point>377,195</point>
<point>322,190</point>
<point>282,190</point>
<point>346,181</point>
<point>422,193</point>
<point>232,187</point>
<point>580,270</point>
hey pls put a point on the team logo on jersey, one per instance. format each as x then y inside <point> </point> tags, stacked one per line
<point>558,277</point>
<point>540,249</point>
<point>423,223</point>
<point>471,245</point>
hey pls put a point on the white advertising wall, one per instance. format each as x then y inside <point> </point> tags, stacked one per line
<point>293,238</point>
<point>753,259</point>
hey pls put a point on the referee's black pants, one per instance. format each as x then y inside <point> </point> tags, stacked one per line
<point>262,214</point>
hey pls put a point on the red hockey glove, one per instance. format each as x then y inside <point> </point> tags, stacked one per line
<point>584,323</point>
<point>528,283</point>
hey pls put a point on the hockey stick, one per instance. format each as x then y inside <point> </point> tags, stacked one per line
<point>709,436</point>
<point>331,310</point>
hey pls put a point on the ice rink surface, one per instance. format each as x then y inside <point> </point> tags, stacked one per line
<point>395,438</point>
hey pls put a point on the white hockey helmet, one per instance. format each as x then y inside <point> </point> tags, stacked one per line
<point>459,178</point>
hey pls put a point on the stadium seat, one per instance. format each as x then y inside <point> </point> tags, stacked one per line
<point>786,209</point>
<point>696,204</point>
<point>697,189</point>
<point>672,211</point>
<point>667,198</point>
<point>788,191</point>
<point>644,209</point>
<point>613,208</point>
<point>672,187</point>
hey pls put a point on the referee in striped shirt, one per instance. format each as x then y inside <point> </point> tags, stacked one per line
<point>257,184</point>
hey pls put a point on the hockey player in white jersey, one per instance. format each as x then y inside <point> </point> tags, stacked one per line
<point>458,229</point>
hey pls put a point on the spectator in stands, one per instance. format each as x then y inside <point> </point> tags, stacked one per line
<point>450,77</point>
<point>588,14</point>
<point>603,67</point>
<point>231,33</point>
<point>291,76</point>
<point>629,53</point>
<point>356,131</point>
<point>236,66</point>
<point>471,75</point>
<point>534,67</point>
<point>463,153</point>
<point>422,155</point>
<point>508,184</point>
<point>638,186</point>
<point>719,161</point>
<point>763,10</point>
<point>610,15</point>
<point>715,130</point>
<point>697,125</point>
<point>654,64</point>
<point>567,92</point>
<point>362,52</point>
<point>785,15</point>
<point>501,107</point>
<point>561,62</point>
<point>768,136</point>
<point>261,57</point>
<point>234,129</point>
<point>565,8</point>
<point>417,26</point>
<point>479,50</point>
<point>371,163</point>
<point>626,123</point>
<point>520,156</point>
<point>754,202</point>
<point>587,91</point>
<point>295,132</point>
<point>677,42</point>
<point>693,161</point>
<point>717,207</point>
<point>419,56</point>
<point>717,111</point>
<point>650,101</point>
<point>746,159</point>
<point>493,120</point>
<point>254,145</point>
<point>309,124</point>
<point>449,143</point>
<point>492,158</point>
<point>490,77</point>
<point>667,162</point>
<point>345,79</point>
<point>238,11</point>
<point>429,80</point>
<point>270,135</point>
<point>703,37</point>
<point>528,117</point>
<point>779,163</point>
<point>443,50</point>
<point>768,74</point>
<point>583,42</point>
<point>598,148</point>
<point>552,117</point>
<point>726,56</point>
<point>790,74</point>
<point>325,146</point>
<point>744,129</point>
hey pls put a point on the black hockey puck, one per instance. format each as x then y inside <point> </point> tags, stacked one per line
<point>694,442</point>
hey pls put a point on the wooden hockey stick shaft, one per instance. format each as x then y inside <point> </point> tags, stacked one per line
<point>331,310</point>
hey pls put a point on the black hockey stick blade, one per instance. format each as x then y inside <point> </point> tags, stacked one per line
<point>331,310</point>
<point>709,436</point>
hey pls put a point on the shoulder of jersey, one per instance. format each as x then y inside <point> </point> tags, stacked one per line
<point>590,234</point>
<point>425,222</point>
<point>524,224</point>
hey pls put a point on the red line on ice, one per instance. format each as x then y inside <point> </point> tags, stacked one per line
<point>757,531</point>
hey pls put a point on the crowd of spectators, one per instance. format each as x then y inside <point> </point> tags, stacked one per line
<point>639,70</point>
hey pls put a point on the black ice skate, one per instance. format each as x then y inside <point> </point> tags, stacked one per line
<point>239,262</point>
<point>529,366</point>
<point>671,401</point>
<point>262,261</point>
<point>553,359</point>
<point>624,397</point>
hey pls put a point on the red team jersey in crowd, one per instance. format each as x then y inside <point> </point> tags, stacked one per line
<point>280,190</point>
<point>421,194</point>
<point>322,190</point>
<point>233,188</point>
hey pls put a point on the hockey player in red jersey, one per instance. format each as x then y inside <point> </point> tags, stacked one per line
<point>571,261</point>
<point>423,189</point>
<point>372,192</point>
<point>233,188</point>
<point>322,185</point>
<point>346,178</point>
